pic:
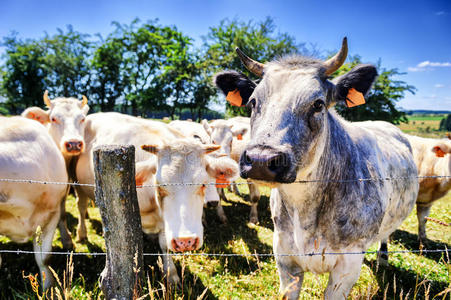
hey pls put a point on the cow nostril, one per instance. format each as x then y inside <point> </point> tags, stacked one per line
<point>247,159</point>
<point>276,163</point>
<point>79,145</point>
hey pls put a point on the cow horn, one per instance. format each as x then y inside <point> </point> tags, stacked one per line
<point>47,101</point>
<point>335,62</point>
<point>252,65</point>
<point>84,101</point>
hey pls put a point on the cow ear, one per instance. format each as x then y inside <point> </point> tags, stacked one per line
<point>36,113</point>
<point>222,168</point>
<point>355,84</point>
<point>239,131</point>
<point>144,170</point>
<point>207,126</point>
<point>236,86</point>
<point>85,109</point>
<point>441,149</point>
<point>211,148</point>
<point>151,148</point>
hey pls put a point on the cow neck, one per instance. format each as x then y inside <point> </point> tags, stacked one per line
<point>315,201</point>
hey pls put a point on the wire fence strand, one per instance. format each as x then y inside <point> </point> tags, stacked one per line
<point>33,181</point>
<point>18,252</point>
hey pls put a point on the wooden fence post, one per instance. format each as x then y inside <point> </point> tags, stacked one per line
<point>116,198</point>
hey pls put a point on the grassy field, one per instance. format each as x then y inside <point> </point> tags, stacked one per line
<point>426,126</point>
<point>407,276</point>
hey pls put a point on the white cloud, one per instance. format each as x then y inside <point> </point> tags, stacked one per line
<point>440,13</point>
<point>439,86</point>
<point>428,65</point>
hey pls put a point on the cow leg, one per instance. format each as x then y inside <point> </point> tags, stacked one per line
<point>382,258</point>
<point>422,213</point>
<point>169,268</point>
<point>235,190</point>
<point>254,195</point>
<point>290,273</point>
<point>66,238</point>
<point>43,243</point>
<point>290,277</point>
<point>343,276</point>
<point>82,203</point>
<point>219,208</point>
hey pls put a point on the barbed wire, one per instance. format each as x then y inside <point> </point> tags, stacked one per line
<point>33,181</point>
<point>18,252</point>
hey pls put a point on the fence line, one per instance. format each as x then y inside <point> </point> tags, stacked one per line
<point>234,254</point>
<point>32,181</point>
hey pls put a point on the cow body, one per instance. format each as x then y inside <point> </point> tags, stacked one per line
<point>297,135</point>
<point>430,164</point>
<point>28,152</point>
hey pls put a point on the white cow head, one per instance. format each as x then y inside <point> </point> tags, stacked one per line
<point>221,134</point>
<point>185,161</point>
<point>64,119</point>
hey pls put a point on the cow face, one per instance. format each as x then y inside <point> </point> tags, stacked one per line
<point>291,111</point>
<point>65,122</point>
<point>185,161</point>
<point>221,134</point>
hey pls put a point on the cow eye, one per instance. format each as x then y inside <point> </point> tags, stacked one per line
<point>252,103</point>
<point>54,120</point>
<point>318,105</point>
<point>82,120</point>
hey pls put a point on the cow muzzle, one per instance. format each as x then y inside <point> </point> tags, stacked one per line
<point>266,164</point>
<point>73,147</point>
<point>183,244</point>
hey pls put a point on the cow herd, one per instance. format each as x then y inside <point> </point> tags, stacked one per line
<point>293,135</point>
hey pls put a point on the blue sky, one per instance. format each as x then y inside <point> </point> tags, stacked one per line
<point>413,36</point>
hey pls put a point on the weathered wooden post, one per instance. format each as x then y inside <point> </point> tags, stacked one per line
<point>118,203</point>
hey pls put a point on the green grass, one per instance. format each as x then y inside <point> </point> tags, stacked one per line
<point>423,125</point>
<point>426,117</point>
<point>243,277</point>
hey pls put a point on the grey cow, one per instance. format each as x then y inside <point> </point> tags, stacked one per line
<point>297,135</point>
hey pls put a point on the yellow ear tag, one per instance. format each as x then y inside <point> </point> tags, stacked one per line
<point>354,98</point>
<point>234,98</point>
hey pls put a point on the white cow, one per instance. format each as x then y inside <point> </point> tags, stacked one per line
<point>174,212</point>
<point>432,157</point>
<point>28,152</point>
<point>65,122</point>
<point>233,135</point>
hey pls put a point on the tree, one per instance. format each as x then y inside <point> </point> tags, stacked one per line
<point>445,123</point>
<point>108,70</point>
<point>381,101</point>
<point>58,63</point>
<point>67,61</point>
<point>24,74</point>
<point>258,40</point>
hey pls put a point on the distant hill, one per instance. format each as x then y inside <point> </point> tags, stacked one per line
<point>427,112</point>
